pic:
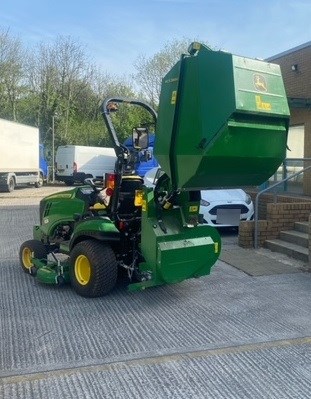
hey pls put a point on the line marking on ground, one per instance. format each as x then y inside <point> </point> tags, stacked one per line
<point>27,376</point>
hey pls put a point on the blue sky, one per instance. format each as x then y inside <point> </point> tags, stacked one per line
<point>115,33</point>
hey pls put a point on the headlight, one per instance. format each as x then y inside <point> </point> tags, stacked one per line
<point>248,199</point>
<point>204,203</point>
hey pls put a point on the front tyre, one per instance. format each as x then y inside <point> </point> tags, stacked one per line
<point>29,249</point>
<point>11,185</point>
<point>93,268</point>
<point>40,182</point>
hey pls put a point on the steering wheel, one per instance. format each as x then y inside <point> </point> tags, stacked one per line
<point>90,182</point>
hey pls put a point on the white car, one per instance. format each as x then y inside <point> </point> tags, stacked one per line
<point>220,208</point>
<point>226,208</point>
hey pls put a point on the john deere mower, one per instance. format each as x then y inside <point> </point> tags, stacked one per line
<point>222,122</point>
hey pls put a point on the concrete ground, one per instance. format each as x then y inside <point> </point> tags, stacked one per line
<point>237,333</point>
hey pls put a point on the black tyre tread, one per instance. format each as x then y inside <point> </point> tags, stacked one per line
<point>39,183</point>
<point>104,268</point>
<point>37,247</point>
<point>11,185</point>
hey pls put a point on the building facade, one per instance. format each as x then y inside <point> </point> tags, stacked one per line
<point>296,70</point>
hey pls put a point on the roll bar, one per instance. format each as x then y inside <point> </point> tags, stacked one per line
<point>106,114</point>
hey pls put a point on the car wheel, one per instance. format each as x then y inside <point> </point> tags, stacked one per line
<point>11,185</point>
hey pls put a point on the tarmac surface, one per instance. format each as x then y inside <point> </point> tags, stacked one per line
<point>242,332</point>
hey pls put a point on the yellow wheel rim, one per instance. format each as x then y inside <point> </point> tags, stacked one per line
<point>82,270</point>
<point>27,258</point>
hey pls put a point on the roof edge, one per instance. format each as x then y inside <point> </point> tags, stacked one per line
<point>292,50</point>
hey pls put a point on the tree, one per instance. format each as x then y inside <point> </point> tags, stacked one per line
<point>58,74</point>
<point>88,125</point>
<point>69,91</point>
<point>55,86</point>
<point>151,70</point>
<point>11,75</point>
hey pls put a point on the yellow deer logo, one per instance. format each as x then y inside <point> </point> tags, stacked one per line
<point>260,83</point>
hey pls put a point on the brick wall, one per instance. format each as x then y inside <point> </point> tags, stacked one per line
<point>298,85</point>
<point>279,216</point>
<point>247,229</point>
<point>269,198</point>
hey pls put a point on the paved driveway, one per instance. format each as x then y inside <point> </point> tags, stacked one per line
<point>229,335</point>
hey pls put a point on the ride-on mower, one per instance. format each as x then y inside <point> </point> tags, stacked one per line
<point>222,122</point>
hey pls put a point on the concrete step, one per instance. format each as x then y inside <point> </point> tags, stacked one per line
<point>295,237</point>
<point>302,226</point>
<point>292,250</point>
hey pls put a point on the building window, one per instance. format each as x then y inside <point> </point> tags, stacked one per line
<point>295,141</point>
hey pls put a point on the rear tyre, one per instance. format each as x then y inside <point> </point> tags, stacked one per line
<point>93,268</point>
<point>29,249</point>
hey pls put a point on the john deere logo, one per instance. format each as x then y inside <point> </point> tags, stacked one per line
<point>260,83</point>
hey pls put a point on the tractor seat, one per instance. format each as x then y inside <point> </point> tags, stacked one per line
<point>87,195</point>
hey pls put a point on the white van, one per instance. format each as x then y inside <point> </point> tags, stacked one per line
<point>75,163</point>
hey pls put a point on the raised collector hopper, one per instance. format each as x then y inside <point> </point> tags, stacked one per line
<point>222,120</point>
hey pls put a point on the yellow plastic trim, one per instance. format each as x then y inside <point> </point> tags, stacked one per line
<point>97,206</point>
<point>139,194</point>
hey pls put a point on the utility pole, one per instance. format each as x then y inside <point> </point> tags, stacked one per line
<point>53,150</point>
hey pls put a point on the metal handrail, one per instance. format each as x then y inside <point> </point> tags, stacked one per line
<point>270,188</point>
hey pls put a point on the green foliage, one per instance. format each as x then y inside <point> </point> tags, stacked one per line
<point>11,75</point>
<point>57,89</point>
<point>151,70</point>
<point>127,117</point>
